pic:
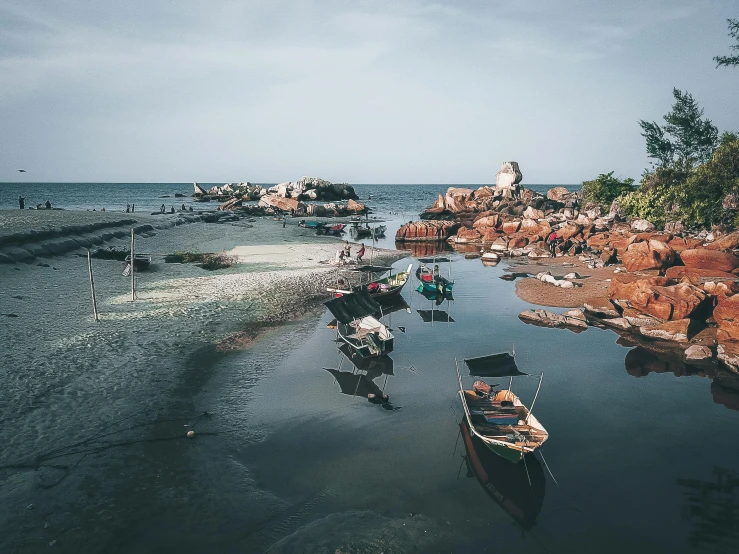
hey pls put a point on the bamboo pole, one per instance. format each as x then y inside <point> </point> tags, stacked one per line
<point>133,281</point>
<point>531,410</point>
<point>92,286</point>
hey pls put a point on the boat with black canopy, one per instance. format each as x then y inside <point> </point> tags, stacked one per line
<point>497,416</point>
<point>384,289</point>
<point>518,488</point>
<point>357,326</point>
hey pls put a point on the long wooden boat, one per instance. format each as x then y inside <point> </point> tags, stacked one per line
<point>383,290</point>
<point>518,488</point>
<point>357,327</point>
<point>498,417</point>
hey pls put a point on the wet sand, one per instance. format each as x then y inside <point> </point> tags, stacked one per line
<point>91,410</point>
<point>593,283</point>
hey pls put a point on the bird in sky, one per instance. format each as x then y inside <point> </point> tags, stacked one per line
<point>21,171</point>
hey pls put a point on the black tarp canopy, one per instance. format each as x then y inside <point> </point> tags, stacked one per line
<point>435,315</point>
<point>354,383</point>
<point>352,306</point>
<point>495,365</point>
<point>434,260</point>
<point>376,365</point>
<point>370,268</point>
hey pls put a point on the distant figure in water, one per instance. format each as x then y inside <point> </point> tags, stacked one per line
<point>360,253</point>
<point>102,209</point>
<point>128,208</point>
<point>22,202</point>
<point>171,209</point>
<point>133,207</point>
<point>183,207</point>
<point>190,208</point>
<point>284,220</point>
<point>47,205</point>
<point>162,209</point>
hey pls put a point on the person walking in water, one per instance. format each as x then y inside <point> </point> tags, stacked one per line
<point>22,202</point>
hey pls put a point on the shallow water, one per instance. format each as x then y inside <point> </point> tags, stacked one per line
<point>644,450</point>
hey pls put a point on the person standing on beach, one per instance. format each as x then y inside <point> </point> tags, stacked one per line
<point>360,253</point>
<point>284,220</point>
<point>22,202</point>
<point>347,249</point>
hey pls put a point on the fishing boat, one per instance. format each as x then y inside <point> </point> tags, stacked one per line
<point>140,261</point>
<point>518,488</point>
<point>430,278</point>
<point>357,326</point>
<point>383,290</point>
<point>498,417</point>
<point>315,225</point>
<point>379,231</point>
<point>358,231</point>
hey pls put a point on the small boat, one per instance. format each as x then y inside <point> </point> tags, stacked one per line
<point>140,261</point>
<point>316,225</point>
<point>430,278</point>
<point>498,417</point>
<point>382,290</point>
<point>334,230</point>
<point>358,231</point>
<point>379,231</point>
<point>518,488</point>
<point>357,326</point>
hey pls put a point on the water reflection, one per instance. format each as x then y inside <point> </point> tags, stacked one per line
<point>360,381</point>
<point>434,313</point>
<point>641,361</point>
<point>712,507</point>
<point>418,249</point>
<point>518,488</point>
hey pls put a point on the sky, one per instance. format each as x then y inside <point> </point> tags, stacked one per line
<point>402,91</point>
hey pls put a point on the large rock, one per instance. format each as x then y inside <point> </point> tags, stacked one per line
<point>533,213</point>
<point>680,244</point>
<point>726,315</point>
<point>667,302</point>
<point>698,352</point>
<point>678,272</point>
<point>465,235</point>
<point>727,242</point>
<point>511,227</point>
<point>728,353</point>
<point>456,199</point>
<point>568,231</point>
<point>642,225</point>
<point>487,221</point>
<point>355,207</point>
<point>601,307</point>
<point>508,176</point>
<point>284,204</point>
<point>710,259</point>
<point>560,194</point>
<point>677,331</point>
<point>652,254</point>
<point>426,231</point>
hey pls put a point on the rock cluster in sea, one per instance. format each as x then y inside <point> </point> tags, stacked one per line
<point>293,196</point>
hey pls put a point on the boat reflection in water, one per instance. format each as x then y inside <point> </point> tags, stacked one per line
<point>360,381</point>
<point>436,299</point>
<point>518,488</point>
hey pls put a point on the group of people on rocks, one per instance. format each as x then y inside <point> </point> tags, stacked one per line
<point>345,253</point>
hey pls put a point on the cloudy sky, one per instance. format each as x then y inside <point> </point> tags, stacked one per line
<point>401,91</point>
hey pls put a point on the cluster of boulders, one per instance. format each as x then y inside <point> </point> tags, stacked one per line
<point>291,197</point>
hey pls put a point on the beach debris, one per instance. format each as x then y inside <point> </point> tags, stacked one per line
<point>547,277</point>
<point>190,434</point>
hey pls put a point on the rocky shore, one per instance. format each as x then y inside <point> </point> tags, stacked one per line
<point>669,286</point>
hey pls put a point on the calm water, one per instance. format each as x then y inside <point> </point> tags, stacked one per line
<point>644,452</point>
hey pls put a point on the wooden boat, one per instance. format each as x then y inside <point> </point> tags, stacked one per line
<point>357,327</point>
<point>498,417</point>
<point>518,488</point>
<point>316,225</point>
<point>358,231</point>
<point>431,280</point>
<point>379,231</point>
<point>383,290</point>
<point>140,261</point>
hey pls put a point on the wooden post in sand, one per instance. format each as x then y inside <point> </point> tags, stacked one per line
<point>92,286</point>
<point>133,281</point>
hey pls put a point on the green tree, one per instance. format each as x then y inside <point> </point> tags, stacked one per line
<point>605,189</point>
<point>685,139</point>
<point>733,33</point>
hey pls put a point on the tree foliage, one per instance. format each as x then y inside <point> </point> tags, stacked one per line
<point>605,189</point>
<point>733,33</point>
<point>685,139</point>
